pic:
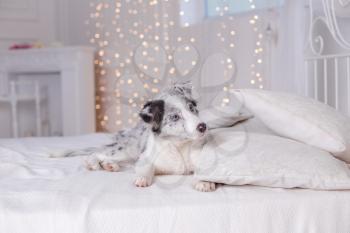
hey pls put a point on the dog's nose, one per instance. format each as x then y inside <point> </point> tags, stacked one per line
<point>202,127</point>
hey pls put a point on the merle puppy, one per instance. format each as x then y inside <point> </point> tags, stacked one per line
<point>166,142</point>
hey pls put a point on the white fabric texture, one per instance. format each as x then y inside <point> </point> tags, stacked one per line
<point>215,118</point>
<point>42,195</point>
<point>300,118</point>
<point>240,158</point>
<point>251,125</point>
<point>219,115</point>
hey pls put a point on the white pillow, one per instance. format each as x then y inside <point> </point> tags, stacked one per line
<point>300,118</point>
<point>252,125</point>
<point>240,158</point>
<point>216,118</point>
<point>222,111</point>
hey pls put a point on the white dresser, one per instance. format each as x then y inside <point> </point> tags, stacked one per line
<point>74,69</point>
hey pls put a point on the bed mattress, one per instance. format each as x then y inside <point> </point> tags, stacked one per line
<point>41,194</point>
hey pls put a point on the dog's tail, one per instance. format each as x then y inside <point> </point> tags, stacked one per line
<point>72,153</point>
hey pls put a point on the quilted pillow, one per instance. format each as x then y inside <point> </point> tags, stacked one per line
<point>300,118</point>
<point>241,158</point>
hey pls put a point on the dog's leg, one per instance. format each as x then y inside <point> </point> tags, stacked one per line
<point>94,162</point>
<point>205,186</point>
<point>106,159</point>
<point>144,167</point>
<point>109,159</point>
<point>144,170</point>
<point>144,174</point>
<point>143,181</point>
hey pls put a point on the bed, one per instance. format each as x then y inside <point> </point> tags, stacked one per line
<point>42,194</point>
<point>39,194</point>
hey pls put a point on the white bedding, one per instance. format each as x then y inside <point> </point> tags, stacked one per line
<point>39,194</point>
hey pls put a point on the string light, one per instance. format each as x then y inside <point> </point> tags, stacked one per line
<point>258,50</point>
<point>115,60</point>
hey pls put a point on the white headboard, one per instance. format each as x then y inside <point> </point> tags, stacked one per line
<point>327,62</point>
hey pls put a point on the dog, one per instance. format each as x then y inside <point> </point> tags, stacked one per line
<point>167,140</point>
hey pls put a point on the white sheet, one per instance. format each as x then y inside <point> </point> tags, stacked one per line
<point>39,194</point>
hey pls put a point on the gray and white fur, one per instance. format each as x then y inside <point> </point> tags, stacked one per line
<point>167,141</point>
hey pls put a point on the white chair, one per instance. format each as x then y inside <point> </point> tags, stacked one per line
<point>27,92</point>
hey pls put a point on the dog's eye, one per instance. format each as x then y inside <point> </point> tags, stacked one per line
<point>175,117</point>
<point>192,107</point>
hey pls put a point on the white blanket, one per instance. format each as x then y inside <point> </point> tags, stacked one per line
<point>43,195</point>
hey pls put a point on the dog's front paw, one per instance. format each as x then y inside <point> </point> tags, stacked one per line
<point>143,181</point>
<point>205,186</point>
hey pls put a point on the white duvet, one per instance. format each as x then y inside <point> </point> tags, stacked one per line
<point>43,195</point>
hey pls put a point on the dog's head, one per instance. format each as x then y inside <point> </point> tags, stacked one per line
<point>174,113</point>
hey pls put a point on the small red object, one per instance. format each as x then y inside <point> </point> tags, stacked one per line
<point>21,46</point>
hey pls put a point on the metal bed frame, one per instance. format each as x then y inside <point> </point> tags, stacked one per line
<point>328,74</point>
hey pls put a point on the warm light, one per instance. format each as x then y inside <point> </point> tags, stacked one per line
<point>121,42</point>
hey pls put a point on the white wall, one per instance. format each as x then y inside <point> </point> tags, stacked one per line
<point>70,22</point>
<point>47,21</point>
<point>26,21</point>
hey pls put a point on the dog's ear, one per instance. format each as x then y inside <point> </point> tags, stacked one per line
<point>152,113</point>
<point>183,88</point>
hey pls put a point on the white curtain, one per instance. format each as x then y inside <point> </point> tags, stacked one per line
<point>287,54</point>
